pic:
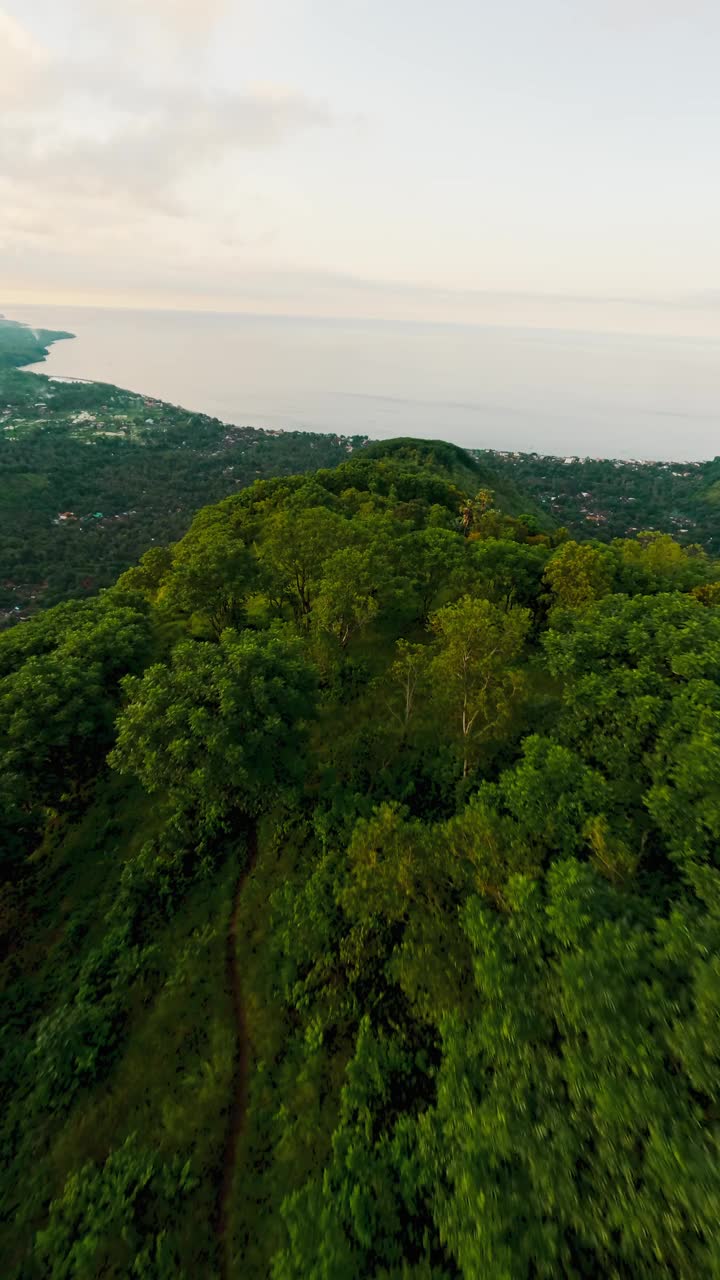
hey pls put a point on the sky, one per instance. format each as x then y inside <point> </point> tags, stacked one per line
<point>540,162</point>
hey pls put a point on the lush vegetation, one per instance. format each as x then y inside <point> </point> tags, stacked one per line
<point>19,344</point>
<point>445,781</point>
<point>93,476</point>
<point>610,498</point>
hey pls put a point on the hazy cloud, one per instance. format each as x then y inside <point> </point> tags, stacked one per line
<point>504,151</point>
<point>85,137</point>
<point>23,63</point>
<point>150,152</point>
<point>180,21</point>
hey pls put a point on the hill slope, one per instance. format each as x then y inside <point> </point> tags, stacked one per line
<point>360,898</point>
<point>94,475</point>
<point>19,344</point>
<point>614,498</point>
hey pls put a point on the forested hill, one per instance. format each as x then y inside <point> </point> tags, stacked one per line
<point>92,475</point>
<point>607,498</point>
<point>19,344</point>
<point>360,901</point>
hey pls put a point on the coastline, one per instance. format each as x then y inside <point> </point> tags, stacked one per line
<point>619,398</point>
<point>23,344</point>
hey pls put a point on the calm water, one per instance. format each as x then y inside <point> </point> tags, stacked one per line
<point>483,387</point>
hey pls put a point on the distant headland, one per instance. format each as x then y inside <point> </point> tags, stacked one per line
<point>20,344</point>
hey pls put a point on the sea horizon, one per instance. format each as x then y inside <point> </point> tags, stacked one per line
<point>506,387</point>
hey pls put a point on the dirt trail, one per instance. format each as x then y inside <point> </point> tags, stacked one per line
<point>236,1114</point>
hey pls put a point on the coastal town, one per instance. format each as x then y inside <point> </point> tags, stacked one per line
<point>619,497</point>
<point>94,475</point>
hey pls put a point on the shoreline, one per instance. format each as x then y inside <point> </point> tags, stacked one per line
<point>37,350</point>
<point>350,384</point>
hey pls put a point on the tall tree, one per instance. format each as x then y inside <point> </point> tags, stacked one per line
<point>213,573</point>
<point>474,680</point>
<point>508,573</point>
<point>221,728</point>
<point>578,574</point>
<point>294,547</point>
<point>407,680</point>
<point>431,557</point>
<point>348,595</point>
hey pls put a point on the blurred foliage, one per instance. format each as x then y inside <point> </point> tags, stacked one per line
<point>478,950</point>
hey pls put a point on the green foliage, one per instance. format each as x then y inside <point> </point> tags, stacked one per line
<point>472,675</point>
<point>220,729</point>
<point>434,560</point>
<point>362,1213</point>
<point>212,575</point>
<point>347,600</point>
<point>297,542</point>
<point>448,1025</point>
<point>560,1083</point>
<point>109,1219</point>
<point>626,662</point>
<point>508,573</point>
<point>655,562</point>
<point>577,575</point>
<point>59,697</point>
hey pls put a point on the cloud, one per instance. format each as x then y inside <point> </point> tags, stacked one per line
<point>188,23</point>
<point>84,136</point>
<point>121,171</point>
<point>23,61</point>
<point>149,154</point>
<point>187,16</point>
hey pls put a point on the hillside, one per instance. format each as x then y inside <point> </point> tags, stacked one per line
<point>19,344</point>
<point>609,498</point>
<point>93,475</point>
<point>360,902</point>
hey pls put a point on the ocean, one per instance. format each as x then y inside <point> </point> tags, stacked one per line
<point>542,390</point>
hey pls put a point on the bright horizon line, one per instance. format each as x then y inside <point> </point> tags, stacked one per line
<point>352,318</point>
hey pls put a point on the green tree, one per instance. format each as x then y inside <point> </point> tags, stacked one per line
<point>57,706</point>
<point>221,728</point>
<point>631,669</point>
<point>55,723</point>
<point>111,1220</point>
<point>476,643</point>
<point>653,561</point>
<point>558,1117</point>
<point>431,557</point>
<point>348,597</point>
<point>147,576</point>
<point>360,1218</point>
<point>212,574</point>
<point>473,510</point>
<point>684,795</point>
<point>578,574</point>
<point>294,547</point>
<point>407,681</point>
<point>508,573</point>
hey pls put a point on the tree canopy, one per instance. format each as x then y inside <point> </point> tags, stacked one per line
<point>360,895</point>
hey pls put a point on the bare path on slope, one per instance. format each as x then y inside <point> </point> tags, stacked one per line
<point>238,1104</point>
